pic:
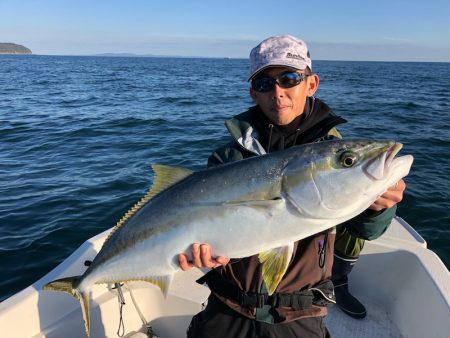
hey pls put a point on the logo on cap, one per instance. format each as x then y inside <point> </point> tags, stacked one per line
<point>295,56</point>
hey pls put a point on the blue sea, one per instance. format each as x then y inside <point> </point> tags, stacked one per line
<point>78,136</point>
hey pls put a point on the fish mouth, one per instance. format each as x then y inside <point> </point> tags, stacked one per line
<point>380,167</point>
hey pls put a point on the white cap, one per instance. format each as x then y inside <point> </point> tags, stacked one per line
<point>282,51</point>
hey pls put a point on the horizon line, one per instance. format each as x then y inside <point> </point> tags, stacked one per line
<point>126,54</point>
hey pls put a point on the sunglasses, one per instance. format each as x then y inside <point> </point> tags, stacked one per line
<point>264,83</point>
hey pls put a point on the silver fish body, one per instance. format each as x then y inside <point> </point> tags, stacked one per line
<point>260,205</point>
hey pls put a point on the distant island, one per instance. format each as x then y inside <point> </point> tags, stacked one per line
<point>12,48</point>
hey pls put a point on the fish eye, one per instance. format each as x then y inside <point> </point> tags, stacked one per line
<point>348,159</point>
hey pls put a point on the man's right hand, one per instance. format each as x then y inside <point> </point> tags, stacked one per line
<point>201,258</point>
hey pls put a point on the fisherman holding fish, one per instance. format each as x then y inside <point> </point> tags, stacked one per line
<point>286,114</point>
<point>271,214</point>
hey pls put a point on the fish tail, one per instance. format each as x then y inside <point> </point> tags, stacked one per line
<point>70,286</point>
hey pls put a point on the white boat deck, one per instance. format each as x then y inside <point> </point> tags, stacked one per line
<point>377,324</point>
<point>405,287</point>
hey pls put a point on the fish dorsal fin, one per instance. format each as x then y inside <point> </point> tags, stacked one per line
<point>165,176</point>
<point>275,263</point>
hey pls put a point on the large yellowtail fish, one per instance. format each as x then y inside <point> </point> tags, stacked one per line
<point>260,205</point>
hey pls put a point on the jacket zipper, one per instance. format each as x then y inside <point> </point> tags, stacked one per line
<point>322,253</point>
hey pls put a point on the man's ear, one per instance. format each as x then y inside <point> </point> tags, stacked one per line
<point>252,94</point>
<point>313,84</point>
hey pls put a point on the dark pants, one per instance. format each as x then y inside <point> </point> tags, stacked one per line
<point>218,320</point>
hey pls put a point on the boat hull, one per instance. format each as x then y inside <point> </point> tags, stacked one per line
<point>397,278</point>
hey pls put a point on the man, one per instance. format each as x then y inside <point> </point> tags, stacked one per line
<point>286,114</point>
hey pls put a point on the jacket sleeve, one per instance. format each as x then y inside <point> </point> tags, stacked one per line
<point>225,154</point>
<point>370,225</point>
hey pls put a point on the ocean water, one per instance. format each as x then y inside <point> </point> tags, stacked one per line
<point>78,136</point>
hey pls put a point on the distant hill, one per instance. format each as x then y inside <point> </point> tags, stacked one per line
<point>117,54</point>
<point>12,48</point>
<point>124,55</point>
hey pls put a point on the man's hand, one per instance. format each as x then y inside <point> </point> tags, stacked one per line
<point>201,258</point>
<point>390,198</point>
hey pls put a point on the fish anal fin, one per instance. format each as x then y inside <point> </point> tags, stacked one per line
<point>163,282</point>
<point>274,265</point>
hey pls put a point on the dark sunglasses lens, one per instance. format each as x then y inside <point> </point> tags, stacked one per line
<point>263,84</point>
<point>288,80</point>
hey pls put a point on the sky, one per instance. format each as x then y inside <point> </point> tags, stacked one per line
<point>381,30</point>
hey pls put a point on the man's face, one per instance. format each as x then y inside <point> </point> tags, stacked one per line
<point>283,105</point>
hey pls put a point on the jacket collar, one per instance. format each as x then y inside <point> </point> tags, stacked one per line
<point>318,119</point>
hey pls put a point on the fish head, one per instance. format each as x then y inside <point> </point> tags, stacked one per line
<point>340,179</point>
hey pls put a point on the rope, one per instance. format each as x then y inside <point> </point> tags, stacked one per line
<point>121,300</point>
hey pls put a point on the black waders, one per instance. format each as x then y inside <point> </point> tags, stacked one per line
<point>346,301</point>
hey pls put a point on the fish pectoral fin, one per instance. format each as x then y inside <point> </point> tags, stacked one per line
<point>269,203</point>
<point>163,282</point>
<point>270,206</point>
<point>274,265</point>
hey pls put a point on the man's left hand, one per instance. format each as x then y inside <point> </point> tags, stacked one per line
<point>390,198</point>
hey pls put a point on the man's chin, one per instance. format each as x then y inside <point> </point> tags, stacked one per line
<point>282,117</point>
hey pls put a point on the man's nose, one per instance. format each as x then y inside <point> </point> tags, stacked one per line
<point>278,91</point>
